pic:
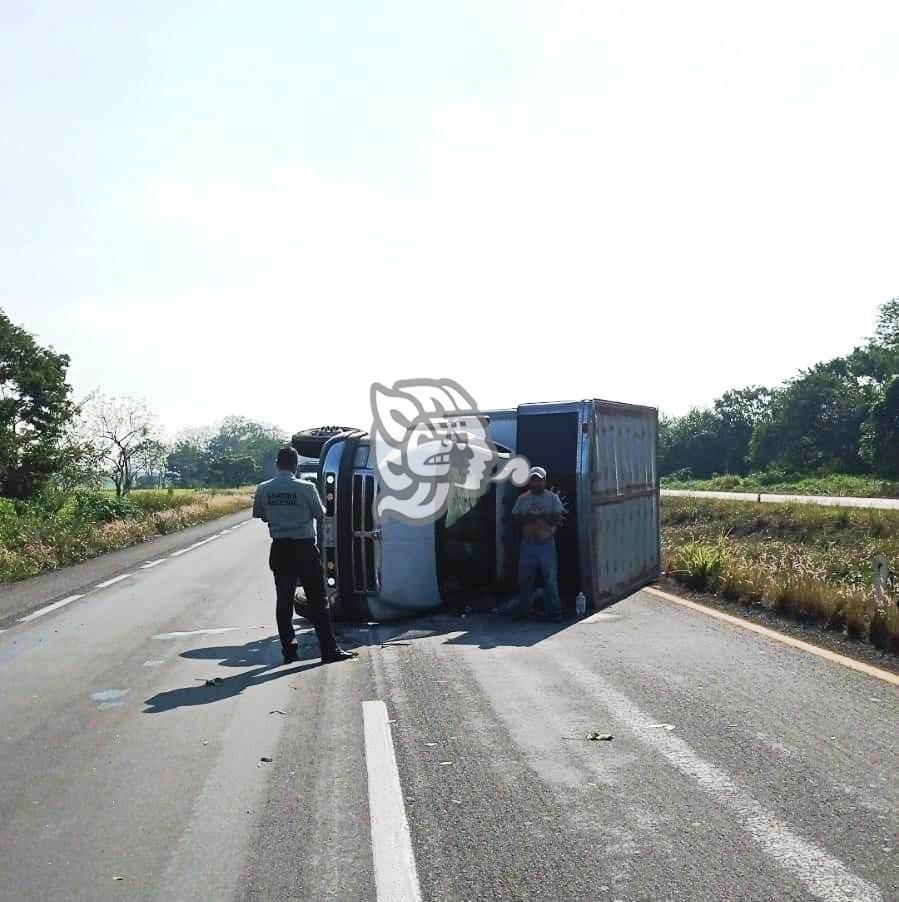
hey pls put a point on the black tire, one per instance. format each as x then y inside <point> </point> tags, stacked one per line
<point>309,442</point>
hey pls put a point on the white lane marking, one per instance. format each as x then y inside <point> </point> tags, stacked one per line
<point>185,550</point>
<point>109,582</point>
<point>396,879</point>
<point>149,564</point>
<point>210,632</point>
<point>50,607</point>
<point>195,545</point>
<point>113,581</point>
<point>825,876</point>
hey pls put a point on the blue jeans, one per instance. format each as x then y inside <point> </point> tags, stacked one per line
<point>538,556</point>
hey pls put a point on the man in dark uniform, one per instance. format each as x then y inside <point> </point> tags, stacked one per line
<point>291,508</point>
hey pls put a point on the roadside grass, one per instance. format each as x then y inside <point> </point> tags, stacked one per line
<point>54,532</point>
<point>784,484</point>
<point>810,563</point>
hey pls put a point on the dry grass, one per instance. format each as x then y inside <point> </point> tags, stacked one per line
<point>812,565</point>
<point>36,546</point>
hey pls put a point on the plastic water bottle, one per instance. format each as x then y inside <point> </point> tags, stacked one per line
<point>580,604</point>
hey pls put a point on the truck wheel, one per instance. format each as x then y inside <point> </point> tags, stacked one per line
<point>309,442</point>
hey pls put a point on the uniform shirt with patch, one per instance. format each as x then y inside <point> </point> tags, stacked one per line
<point>289,505</point>
<point>545,503</point>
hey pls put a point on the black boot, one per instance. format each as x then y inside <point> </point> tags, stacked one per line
<point>338,654</point>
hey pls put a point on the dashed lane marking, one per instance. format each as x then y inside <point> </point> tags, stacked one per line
<point>825,876</point>
<point>396,879</point>
<point>50,607</point>
<point>148,564</point>
<point>199,544</point>
<point>113,581</point>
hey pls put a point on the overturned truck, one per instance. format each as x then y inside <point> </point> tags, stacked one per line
<point>600,456</point>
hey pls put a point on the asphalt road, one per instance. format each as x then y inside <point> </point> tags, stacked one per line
<point>824,500</point>
<point>448,762</point>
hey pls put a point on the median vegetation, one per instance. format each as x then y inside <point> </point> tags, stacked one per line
<point>61,529</point>
<point>811,563</point>
<point>780,483</point>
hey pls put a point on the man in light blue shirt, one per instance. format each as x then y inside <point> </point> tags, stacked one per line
<point>291,508</point>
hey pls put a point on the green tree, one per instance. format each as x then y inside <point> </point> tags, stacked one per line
<point>691,442</point>
<point>716,440</point>
<point>35,409</point>
<point>739,412</point>
<point>218,455</point>
<point>233,471</point>
<point>188,463</point>
<point>814,425</point>
<point>886,329</point>
<point>878,361</point>
<point>880,433</point>
<point>241,437</point>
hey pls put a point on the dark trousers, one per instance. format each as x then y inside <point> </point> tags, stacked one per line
<point>293,562</point>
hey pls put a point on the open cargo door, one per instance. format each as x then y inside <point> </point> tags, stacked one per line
<point>623,500</point>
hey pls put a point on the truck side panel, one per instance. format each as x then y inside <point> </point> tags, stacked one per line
<point>624,500</point>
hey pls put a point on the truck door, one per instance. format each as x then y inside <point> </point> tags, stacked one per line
<point>549,436</point>
<point>623,500</point>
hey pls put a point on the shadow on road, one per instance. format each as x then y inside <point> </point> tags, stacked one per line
<point>264,655</point>
<point>481,629</point>
<point>484,630</point>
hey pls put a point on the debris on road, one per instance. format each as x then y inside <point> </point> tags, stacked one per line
<point>278,711</point>
<point>592,736</point>
<point>265,759</point>
<point>218,681</point>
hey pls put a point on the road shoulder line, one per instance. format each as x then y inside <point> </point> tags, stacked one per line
<point>826,654</point>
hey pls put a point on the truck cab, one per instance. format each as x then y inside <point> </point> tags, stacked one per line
<point>601,458</point>
<point>386,569</point>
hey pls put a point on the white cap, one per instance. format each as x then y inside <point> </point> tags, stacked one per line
<point>539,472</point>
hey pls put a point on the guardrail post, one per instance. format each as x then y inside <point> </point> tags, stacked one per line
<point>881,577</point>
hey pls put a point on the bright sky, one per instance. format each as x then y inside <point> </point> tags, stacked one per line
<point>261,207</point>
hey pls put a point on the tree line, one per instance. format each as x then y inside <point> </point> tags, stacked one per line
<point>48,441</point>
<point>839,416</point>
